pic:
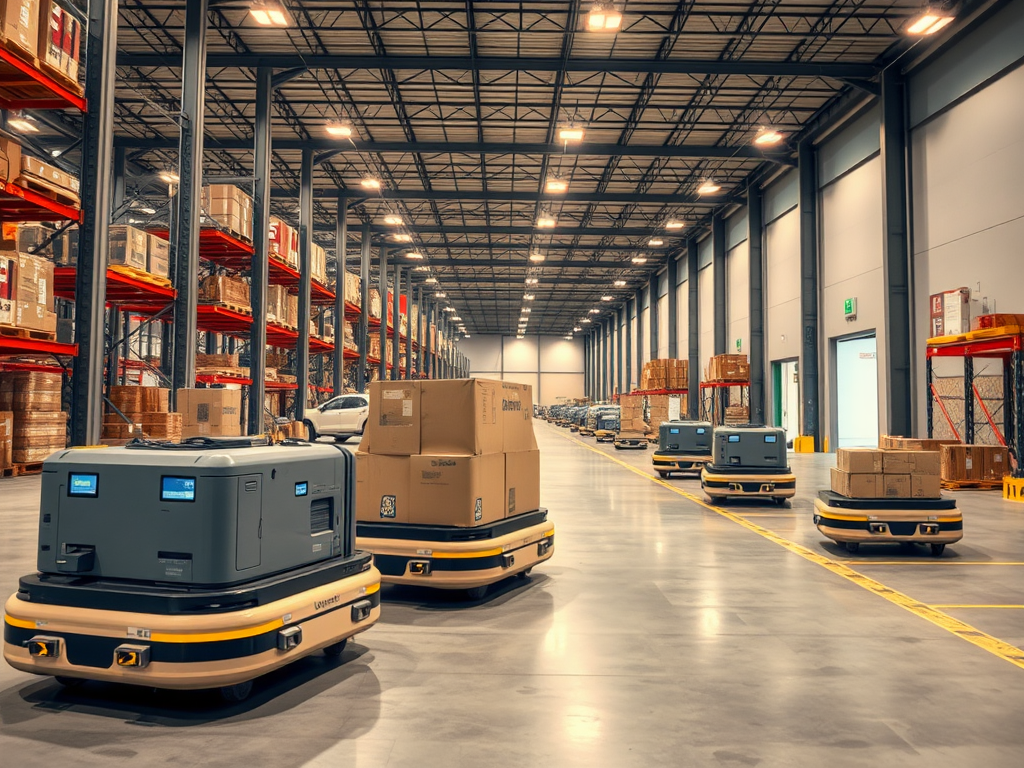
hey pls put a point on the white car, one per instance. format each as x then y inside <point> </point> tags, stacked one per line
<point>340,417</point>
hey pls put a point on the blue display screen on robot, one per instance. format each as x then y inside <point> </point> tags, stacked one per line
<point>177,489</point>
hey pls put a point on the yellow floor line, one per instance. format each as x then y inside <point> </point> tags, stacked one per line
<point>924,562</point>
<point>961,629</point>
<point>1014,607</point>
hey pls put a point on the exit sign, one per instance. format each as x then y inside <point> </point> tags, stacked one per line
<point>739,344</point>
<point>850,309</point>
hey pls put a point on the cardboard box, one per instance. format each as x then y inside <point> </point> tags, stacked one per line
<point>522,482</point>
<point>159,256</point>
<point>382,488</point>
<point>517,417</point>
<point>34,280</point>
<point>19,25</point>
<point>860,485</point>
<point>462,491</point>
<point>729,368</point>
<point>925,486</point>
<point>394,423</point>
<point>6,438</point>
<point>461,417</point>
<point>10,155</point>
<point>35,317</point>
<point>353,289</point>
<point>33,166</point>
<point>217,409</point>
<point>60,38</point>
<point>129,247</point>
<point>913,443</point>
<point>876,485</point>
<point>225,290</point>
<point>974,463</point>
<point>859,460</point>
<point>897,462</point>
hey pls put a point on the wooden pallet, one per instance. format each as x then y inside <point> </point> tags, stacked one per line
<point>223,370</point>
<point>17,50</point>
<point>61,77</point>
<point>14,332</point>
<point>233,307</point>
<point>16,470</point>
<point>141,275</point>
<point>972,485</point>
<point>50,190</point>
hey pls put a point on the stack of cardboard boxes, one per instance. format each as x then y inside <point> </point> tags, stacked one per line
<point>210,412</point>
<point>222,289</point>
<point>60,41</point>
<point>457,453</point>
<point>664,373</point>
<point>38,174</point>
<point>135,248</point>
<point>284,242</point>
<point>664,408</point>
<point>728,368</point>
<point>26,292</point>
<point>631,416</point>
<point>230,208</point>
<point>873,473</point>
<point>353,289</point>
<point>974,463</point>
<point>31,420</point>
<point>282,307</point>
<point>148,413</point>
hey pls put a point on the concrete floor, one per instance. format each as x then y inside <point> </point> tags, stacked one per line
<point>662,633</point>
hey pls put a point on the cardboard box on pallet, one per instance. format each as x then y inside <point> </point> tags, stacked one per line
<point>35,317</point>
<point>462,491</point>
<point>913,443</point>
<point>158,261</point>
<point>225,290</point>
<point>34,280</point>
<point>974,463</point>
<point>19,25</point>
<point>60,38</point>
<point>10,156</point>
<point>40,169</point>
<point>36,435</point>
<point>6,439</point>
<point>353,289</point>
<point>129,246</point>
<point>729,368</point>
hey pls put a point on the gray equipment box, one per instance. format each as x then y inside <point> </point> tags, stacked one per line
<point>688,437</point>
<point>754,447</point>
<point>200,513</point>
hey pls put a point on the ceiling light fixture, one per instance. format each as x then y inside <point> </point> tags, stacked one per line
<point>422,268</point>
<point>369,182</point>
<point>594,311</point>
<point>531,281</point>
<point>169,176</point>
<point>607,298</point>
<point>709,187</point>
<point>456,318</point>
<point>545,220</point>
<point>930,22</point>
<point>527,297</point>
<point>414,255</point>
<point>576,329</point>
<point>556,185</point>
<point>339,129</point>
<point>466,336</point>
<point>654,242</point>
<point>449,309</point>
<point>569,337</point>
<point>440,295</point>
<point>604,18</point>
<point>674,224</point>
<point>268,13</point>
<point>639,259</point>
<point>619,283</point>
<point>148,210</point>
<point>402,237</point>
<point>22,124</point>
<point>526,310</point>
<point>520,337</point>
<point>767,137</point>
<point>571,133</point>
<point>585,320</point>
<point>430,280</point>
<point>393,219</point>
<point>537,257</point>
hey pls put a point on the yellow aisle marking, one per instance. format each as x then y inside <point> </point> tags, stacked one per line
<point>923,562</point>
<point>1016,607</point>
<point>959,628</point>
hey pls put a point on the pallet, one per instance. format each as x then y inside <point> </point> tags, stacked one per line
<point>223,370</point>
<point>61,77</point>
<point>972,485</point>
<point>17,50</point>
<point>14,332</point>
<point>233,307</point>
<point>16,470</point>
<point>50,190</point>
<point>141,275</point>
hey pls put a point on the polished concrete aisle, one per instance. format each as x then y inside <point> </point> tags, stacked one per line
<point>663,633</point>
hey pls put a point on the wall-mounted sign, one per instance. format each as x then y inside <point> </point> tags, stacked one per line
<point>850,309</point>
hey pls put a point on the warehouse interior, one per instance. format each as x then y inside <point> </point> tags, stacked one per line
<point>540,382</point>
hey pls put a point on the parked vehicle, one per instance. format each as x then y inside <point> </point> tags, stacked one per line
<point>340,417</point>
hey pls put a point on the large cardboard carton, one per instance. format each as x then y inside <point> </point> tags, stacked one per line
<point>382,488</point>
<point>517,417</point>
<point>159,259</point>
<point>394,423</point>
<point>913,443</point>
<point>859,485</point>
<point>210,411</point>
<point>10,155</point>
<point>35,317</point>
<point>35,280</point>
<point>925,486</point>
<point>461,417</point>
<point>60,37</point>
<point>522,482</point>
<point>463,491</point>
<point>973,463</point>
<point>19,25</point>
<point>6,438</point>
<point>129,247</point>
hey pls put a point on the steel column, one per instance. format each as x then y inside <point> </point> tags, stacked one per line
<point>185,238</point>
<point>618,349</point>
<point>305,272</point>
<point>419,331</point>
<point>652,303</point>
<point>638,302</point>
<point>261,250</point>
<point>113,316</point>
<point>382,288</point>
<point>718,272</point>
<point>896,254</point>
<point>629,348</point>
<point>363,326</point>
<point>428,340</point>
<point>673,308</point>
<point>808,180</point>
<point>91,276</point>
<point>755,236</point>
<point>341,258</point>
<point>693,327</point>
<point>396,332</point>
<point>408,323</point>
<point>969,427</point>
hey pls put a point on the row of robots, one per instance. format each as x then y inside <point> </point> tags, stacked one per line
<point>208,563</point>
<point>752,463</point>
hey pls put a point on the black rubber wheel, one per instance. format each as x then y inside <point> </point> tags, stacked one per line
<point>476,593</point>
<point>311,431</point>
<point>524,574</point>
<point>851,546</point>
<point>362,429</point>
<point>334,650</point>
<point>233,694</point>
<point>663,475</point>
<point>780,500</point>
<point>69,682</point>
<point>716,499</point>
<point>938,549</point>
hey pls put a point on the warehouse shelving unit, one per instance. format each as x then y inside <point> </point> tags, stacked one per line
<point>714,399</point>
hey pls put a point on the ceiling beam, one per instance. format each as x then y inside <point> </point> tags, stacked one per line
<point>546,265</point>
<point>838,71</point>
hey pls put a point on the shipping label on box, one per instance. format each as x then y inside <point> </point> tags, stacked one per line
<point>382,488</point>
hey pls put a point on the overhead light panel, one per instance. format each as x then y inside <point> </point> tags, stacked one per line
<point>545,221</point>
<point>527,297</point>
<point>767,137</point>
<point>594,311</point>
<point>268,13</point>
<point>674,224</point>
<point>537,257</point>
<point>654,242</point>
<point>393,219</point>
<point>456,318</point>
<point>570,134</point>
<point>440,295</point>
<point>607,298</point>
<point>604,18</point>
<point>339,129</point>
<point>531,281</point>
<point>431,280</point>
<point>586,320</point>
<point>577,329</point>
<point>22,124</point>
<point>929,23</point>
<point>466,336</point>
<point>169,176</point>
<point>402,237</point>
<point>369,182</point>
<point>414,255</point>
<point>148,210</point>
<point>520,337</point>
<point>449,309</point>
<point>709,187</point>
<point>556,185</point>
<point>620,283</point>
<point>639,259</point>
<point>422,268</point>
<point>526,310</point>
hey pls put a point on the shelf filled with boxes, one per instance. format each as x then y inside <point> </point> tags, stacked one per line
<point>725,391</point>
<point>32,424</point>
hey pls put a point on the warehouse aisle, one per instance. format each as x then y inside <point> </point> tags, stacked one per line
<point>662,633</point>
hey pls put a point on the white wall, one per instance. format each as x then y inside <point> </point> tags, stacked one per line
<point>706,307</point>
<point>552,366</point>
<point>968,208</point>
<point>646,341</point>
<point>663,327</point>
<point>737,303</point>
<point>782,287</point>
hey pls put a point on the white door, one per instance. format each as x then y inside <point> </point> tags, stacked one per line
<point>790,400</point>
<point>353,411</point>
<point>332,415</point>
<point>856,393</point>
